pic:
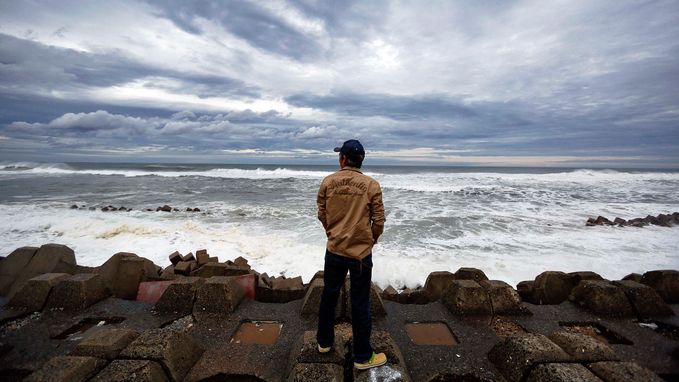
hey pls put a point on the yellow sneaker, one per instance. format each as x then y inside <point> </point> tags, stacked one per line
<point>323,350</point>
<point>375,360</point>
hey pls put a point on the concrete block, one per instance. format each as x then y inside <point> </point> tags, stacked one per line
<point>174,350</point>
<point>248,284</point>
<point>175,257</point>
<point>183,268</point>
<point>189,257</point>
<point>383,373</point>
<point>218,295</point>
<point>213,259</point>
<point>202,257</point>
<point>623,372</point>
<point>282,290</point>
<point>552,287</point>
<point>561,372</point>
<point>67,369</point>
<point>515,356</point>
<point>382,342</point>
<point>665,282</point>
<point>584,275</point>
<point>150,291</point>
<point>437,283</point>
<point>305,350</point>
<point>131,271</point>
<point>241,262</point>
<point>466,297</point>
<point>35,292</point>
<point>179,296</point>
<point>12,265</point>
<point>210,269</point>
<point>526,291</point>
<point>633,277</point>
<point>49,258</point>
<point>413,296</point>
<point>644,299</point>
<point>470,274</point>
<point>109,270</point>
<point>312,299</point>
<point>583,348</point>
<point>376,305</point>
<point>316,372</point>
<point>129,370</point>
<point>77,292</point>
<point>602,298</point>
<point>105,343</point>
<point>503,298</point>
<point>390,294</point>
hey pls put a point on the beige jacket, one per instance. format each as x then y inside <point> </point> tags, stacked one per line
<point>351,210</point>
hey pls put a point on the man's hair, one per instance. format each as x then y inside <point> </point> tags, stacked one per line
<point>353,162</point>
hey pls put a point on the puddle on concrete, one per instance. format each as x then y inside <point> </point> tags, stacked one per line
<point>430,333</point>
<point>257,332</point>
<point>666,330</point>
<point>596,331</point>
<point>504,327</point>
<point>77,331</point>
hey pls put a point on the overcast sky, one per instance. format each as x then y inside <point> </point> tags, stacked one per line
<point>555,83</point>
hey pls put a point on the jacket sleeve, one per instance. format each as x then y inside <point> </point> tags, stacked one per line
<point>376,210</point>
<point>320,203</point>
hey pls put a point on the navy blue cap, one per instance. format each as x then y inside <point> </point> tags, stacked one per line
<point>352,149</point>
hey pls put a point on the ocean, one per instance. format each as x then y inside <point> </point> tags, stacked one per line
<point>513,223</point>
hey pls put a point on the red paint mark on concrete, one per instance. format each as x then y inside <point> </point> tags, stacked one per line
<point>150,291</point>
<point>247,283</point>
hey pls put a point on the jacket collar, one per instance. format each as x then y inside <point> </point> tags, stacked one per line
<point>348,168</point>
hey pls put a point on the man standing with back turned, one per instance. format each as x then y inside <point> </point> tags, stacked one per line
<point>351,210</point>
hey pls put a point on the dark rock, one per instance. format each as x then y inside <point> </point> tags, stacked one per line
<point>129,370</point>
<point>620,221</point>
<point>105,343</point>
<point>515,356</point>
<point>583,348</point>
<point>437,283</point>
<point>189,209</point>
<point>164,208</point>
<point>602,221</point>
<point>218,295</point>
<point>175,257</point>
<point>651,220</point>
<point>92,208</point>
<point>561,372</point>
<point>552,287</point>
<point>644,299</point>
<point>67,369</point>
<point>179,296</point>
<point>525,290</point>
<point>105,209</point>
<point>176,351</point>
<point>74,207</point>
<point>470,274</point>
<point>503,298</point>
<point>665,282</point>
<point>33,295</point>
<point>466,297</point>
<point>196,209</point>
<point>49,258</point>
<point>623,372</point>
<point>591,222</point>
<point>636,277</point>
<point>77,292</point>
<point>175,209</point>
<point>665,220</point>
<point>12,265</point>
<point>602,298</point>
<point>316,372</point>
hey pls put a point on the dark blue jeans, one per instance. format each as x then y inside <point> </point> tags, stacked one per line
<point>334,274</point>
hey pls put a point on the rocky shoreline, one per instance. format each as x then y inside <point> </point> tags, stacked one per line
<point>663,220</point>
<point>198,319</point>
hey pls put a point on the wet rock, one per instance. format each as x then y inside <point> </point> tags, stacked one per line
<point>466,297</point>
<point>623,372</point>
<point>636,277</point>
<point>644,299</point>
<point>33,295</point>
<point>437,283</point>
<point>128,370</point>
<point>503,298</point>
<point>179,296</point>
<point>515,356</point>
<point>12,265</point>
<point>175,257</point>
<point>620,221</point>
<point>552,287</point>
<point>74,207</point>
<point>67,369</point>
<point>583,348</point>
<point>665,282</point>
<point>189,209</point>
<point>218,295</point>
<point>77,292</point>
<point>176,351</point>
<point>470,274</point>
<point>105,343</point>
<point>196,209</point>
<point>561,372</point>
<point>49,258</point>
<point>105,209</point>
<point>164,208</point>
<point>602,298</point>
<point>92,208</point>
<point>665,220</point>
